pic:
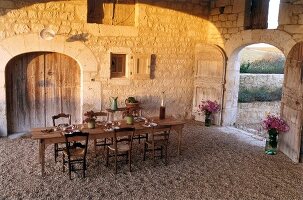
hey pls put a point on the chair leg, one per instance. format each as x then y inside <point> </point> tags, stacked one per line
<point>144,152</point>
<point>104,143</point>
<point>107,156</point>
<point>70,170</point>
<point>116,163</point>
<point>129,161</point>
<point>95,147</point>
<point>166,162</point>
<point>63,164</point>
<point>154,154</point>
<point>56,151</point>
<point>84,167</point>
<point>161,152</point>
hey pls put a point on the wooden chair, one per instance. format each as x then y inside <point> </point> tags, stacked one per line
<point>158,140</point>
<point>54,118</point>
<point>76,150</point>
<point>103,142</point>
<point>119,147</point>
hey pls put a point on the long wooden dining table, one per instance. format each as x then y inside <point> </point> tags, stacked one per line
<point>46,138</point>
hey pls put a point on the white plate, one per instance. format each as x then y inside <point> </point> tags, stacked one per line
<point>153,124</point>
<point>146,125</point>
<point>150,125</point>
<point>139,119</point>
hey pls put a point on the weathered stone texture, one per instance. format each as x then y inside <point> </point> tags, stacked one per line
<point>169,34</point>
<point>169,29</point>
<point>255,112</point>
<point>270,81</point>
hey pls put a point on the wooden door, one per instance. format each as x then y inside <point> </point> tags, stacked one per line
<point>210,62</point>
<point>38,86</point>
<point>291,106</point>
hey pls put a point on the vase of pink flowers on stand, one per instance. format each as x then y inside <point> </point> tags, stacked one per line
<point>208,108</point>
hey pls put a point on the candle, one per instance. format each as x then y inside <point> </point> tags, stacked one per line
<point>162,99</point>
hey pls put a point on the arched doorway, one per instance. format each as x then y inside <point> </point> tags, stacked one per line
<point>260,89</point>
<point>39,85</point>
<point>209,73</point>
<point>276,38</point>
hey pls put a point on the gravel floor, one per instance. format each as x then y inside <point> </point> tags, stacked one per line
<point>217,163</point>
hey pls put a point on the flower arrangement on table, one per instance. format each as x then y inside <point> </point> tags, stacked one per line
<point>90,119</point>
<point>274,125</point>
<point>129,114</point>
<point>208,107</point>
<point>131,102</point>
<point>90,116</point>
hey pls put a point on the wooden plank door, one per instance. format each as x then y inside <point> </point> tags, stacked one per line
<point>210,62</point>
<point>62,86</point>
<point>290,143</point>
<point>39,85</point>
<point>24,92</point>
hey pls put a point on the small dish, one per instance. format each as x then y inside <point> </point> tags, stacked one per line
<point>153,124</point>
<point>139,119</point>
<point>147,125</point>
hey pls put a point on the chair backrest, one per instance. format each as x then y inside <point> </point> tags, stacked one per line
<point>76,140</point>
<point>101,114</point>
<point>161,131</point>
<point>126,133</point>
<point>62,115</point>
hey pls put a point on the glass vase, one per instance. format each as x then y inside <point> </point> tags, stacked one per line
<point>207,118</point>
<point>271,142</point>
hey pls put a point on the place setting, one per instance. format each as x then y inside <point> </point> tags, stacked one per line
<point>110,126</point>
<point>149,123</point>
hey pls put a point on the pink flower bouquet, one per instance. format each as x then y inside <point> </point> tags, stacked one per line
<point>90,116</point>
<point>275,122</point>
<point>208,107</point>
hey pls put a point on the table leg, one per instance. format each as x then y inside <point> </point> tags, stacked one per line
<point>178,129</point>
<point>39,152</point>
<point>95,148</point>
<point>42,156</point>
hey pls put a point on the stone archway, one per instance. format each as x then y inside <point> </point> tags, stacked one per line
<point>20,44</point>
<point>280,39</point>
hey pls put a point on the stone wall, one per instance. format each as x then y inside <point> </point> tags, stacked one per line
<point>255,112</point>
<point>251,114</point>
<point>163,28</point>
<point>270,81</point>
<point>168,29</point>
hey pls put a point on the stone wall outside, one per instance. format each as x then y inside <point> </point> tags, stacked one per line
<point>250,115</point>
<point>255,112</point>
<point>270,81</point>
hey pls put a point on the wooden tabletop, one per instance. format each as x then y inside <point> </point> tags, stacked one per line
<point>121,109</point>
<point>36,133</point>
